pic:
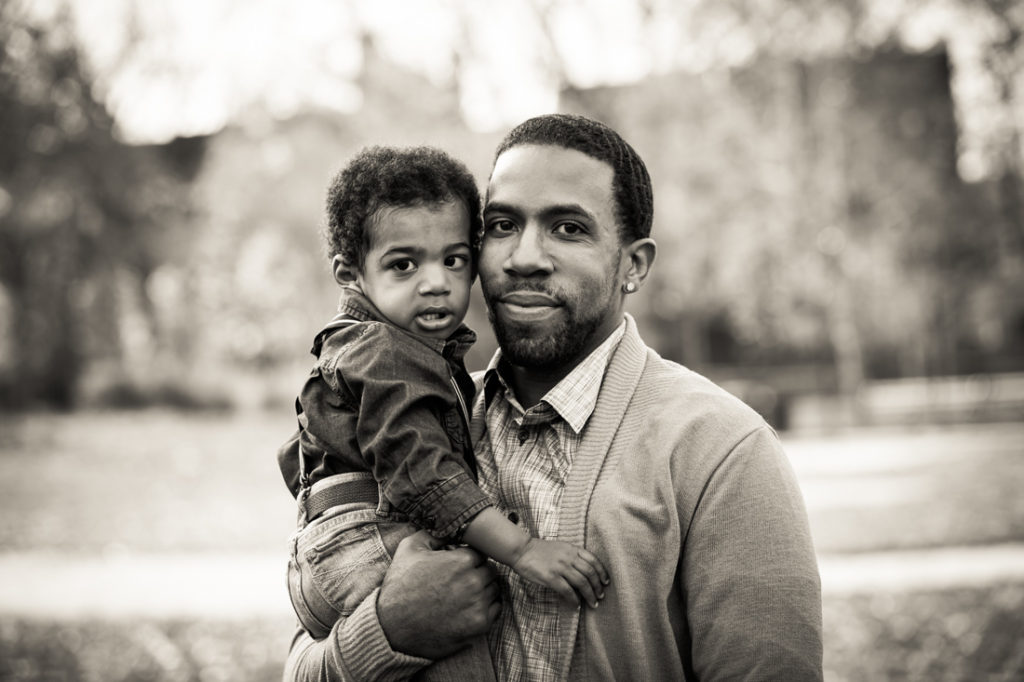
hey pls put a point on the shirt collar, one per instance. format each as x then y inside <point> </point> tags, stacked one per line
<point>575,396</point>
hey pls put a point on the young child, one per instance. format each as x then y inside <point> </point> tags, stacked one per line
<point>383,441</point>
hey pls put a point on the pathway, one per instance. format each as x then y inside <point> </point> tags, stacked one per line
<point>119,585</point>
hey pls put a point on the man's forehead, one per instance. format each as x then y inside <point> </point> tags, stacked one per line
<point>536,171</point>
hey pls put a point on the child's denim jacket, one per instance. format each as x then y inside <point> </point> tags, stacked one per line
<point>383,400</point>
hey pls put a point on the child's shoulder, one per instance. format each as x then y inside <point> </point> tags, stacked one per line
<point>367,342</point>
<point>343,335</point>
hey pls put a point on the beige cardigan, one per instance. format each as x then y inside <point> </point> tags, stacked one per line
<point>687,496</point>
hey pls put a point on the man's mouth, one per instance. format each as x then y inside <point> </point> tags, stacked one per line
<point>527,306</point>
<point>528,299</point>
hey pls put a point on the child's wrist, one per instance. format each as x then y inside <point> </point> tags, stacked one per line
<point>520,550</point>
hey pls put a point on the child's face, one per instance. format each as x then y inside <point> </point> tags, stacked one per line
<point>418,269</point>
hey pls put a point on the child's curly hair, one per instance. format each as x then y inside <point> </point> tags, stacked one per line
<point>381,176</point>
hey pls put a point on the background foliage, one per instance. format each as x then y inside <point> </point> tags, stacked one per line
<point>839,198</point>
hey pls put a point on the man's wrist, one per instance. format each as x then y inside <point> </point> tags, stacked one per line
<point>366,648</point>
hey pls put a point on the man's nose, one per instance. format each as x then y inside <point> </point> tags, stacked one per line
<point>529,255</point>
<point>434,281</point>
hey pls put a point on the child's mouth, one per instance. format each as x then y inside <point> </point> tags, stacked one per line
<point>432,320</point>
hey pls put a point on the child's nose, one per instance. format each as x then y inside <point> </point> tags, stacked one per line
<point>434,282</point>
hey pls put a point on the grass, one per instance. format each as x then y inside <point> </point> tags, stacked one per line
<point>965,634</point>
<point>151,650</point>
<point>156,481</point>
<point>939,636</point>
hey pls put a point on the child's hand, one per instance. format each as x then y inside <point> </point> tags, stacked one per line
<point>566,569</point>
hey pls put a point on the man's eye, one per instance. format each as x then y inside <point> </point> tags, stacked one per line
<point>500,227</point>
<point>404,265</point>
<point>456,261</point>
<point>569,229</point>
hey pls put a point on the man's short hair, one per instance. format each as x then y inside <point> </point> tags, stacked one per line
<point>379,177</point>
<point>631,184</point>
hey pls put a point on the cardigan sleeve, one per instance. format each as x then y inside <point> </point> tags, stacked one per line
<point>750,572</point>
<point>355,650</point>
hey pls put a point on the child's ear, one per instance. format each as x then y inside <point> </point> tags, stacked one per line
<point>344,272</point>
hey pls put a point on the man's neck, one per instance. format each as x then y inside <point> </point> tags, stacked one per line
<point>530,385</point>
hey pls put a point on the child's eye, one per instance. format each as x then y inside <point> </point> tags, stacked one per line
<point>403,265</point>
<point>456,261</point>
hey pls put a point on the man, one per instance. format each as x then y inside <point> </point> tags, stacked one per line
<point>583,434</point>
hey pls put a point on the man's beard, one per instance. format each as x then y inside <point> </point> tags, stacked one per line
<point>560,345</point>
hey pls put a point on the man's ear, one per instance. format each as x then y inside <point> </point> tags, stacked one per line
<point>641,255</point>
<point>345,273</point>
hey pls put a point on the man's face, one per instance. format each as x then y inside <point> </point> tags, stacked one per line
<point>551,261</point>
<point>418,270</point>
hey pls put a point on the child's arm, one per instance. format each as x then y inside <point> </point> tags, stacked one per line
<point>563,567</point>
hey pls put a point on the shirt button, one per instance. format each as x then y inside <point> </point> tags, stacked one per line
<point>524,433</point>
<point>513,517</point>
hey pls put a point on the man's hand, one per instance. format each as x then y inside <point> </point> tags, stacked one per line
<point>433,603</point>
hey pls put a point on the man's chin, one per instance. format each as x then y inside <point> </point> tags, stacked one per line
<point>525,344</point>
<point>538,349</point>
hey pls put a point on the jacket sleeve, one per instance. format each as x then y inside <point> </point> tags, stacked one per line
<point>404,389</point>
<point>750,573</point>
<point>288,462</point>
<point>355,650</point>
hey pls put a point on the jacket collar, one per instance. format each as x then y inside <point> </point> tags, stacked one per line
<point>353,305</point>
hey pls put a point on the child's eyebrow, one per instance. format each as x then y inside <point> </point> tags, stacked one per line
<point>418,250</point>
<point>403,251</point>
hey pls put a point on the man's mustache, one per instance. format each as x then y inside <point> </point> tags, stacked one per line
<point>496,294</point>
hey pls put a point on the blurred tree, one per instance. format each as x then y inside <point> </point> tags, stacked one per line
<point>76,208</point>
<point>257,270</point>
<point>815,206</point>
<point>950,257</point>
<point>811,175</point>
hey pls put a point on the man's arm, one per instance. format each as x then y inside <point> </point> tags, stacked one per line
<point>750,573</point>
<point>431,604</point>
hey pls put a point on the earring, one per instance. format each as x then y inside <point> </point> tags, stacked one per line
<point>628,287</point>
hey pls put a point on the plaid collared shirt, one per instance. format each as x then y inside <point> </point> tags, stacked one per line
<point>524,458</point>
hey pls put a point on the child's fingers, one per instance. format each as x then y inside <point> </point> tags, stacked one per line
<point>582,584</point>
<point>590,566</point>
<point>564,589</point>
<point>591,558</point>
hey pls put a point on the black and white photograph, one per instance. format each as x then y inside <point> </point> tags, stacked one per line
<point>511,340</point>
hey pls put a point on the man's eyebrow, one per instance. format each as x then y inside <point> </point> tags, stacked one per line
<point>546,212</point>
<point>498,207</point>
<point>563,209</point>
